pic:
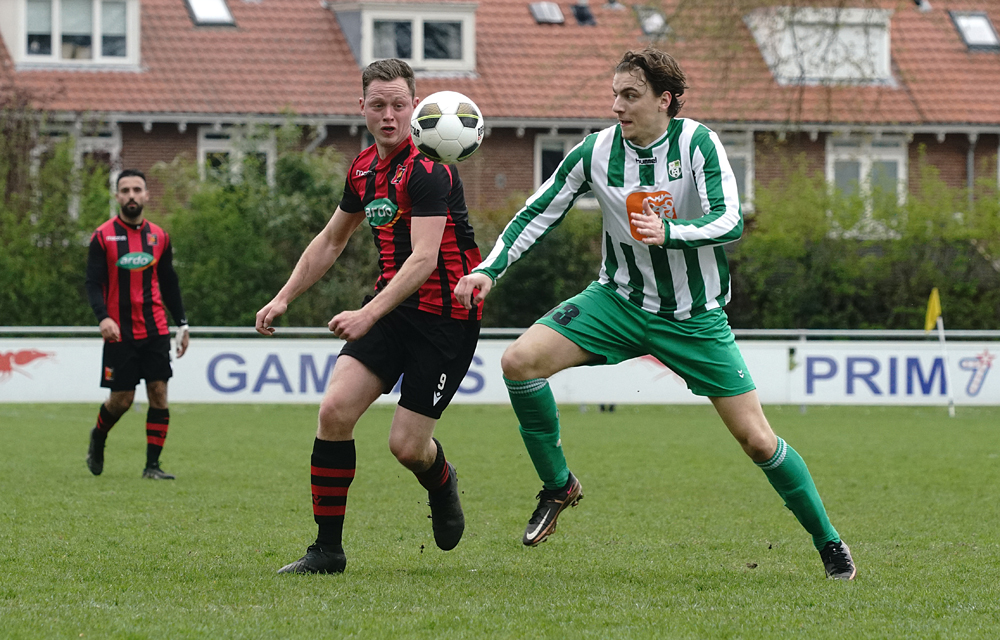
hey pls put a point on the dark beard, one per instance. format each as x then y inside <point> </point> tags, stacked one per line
<point>131,210</point>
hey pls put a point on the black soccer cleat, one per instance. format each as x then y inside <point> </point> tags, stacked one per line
<point>95,452</point>
<point>550,504</point>
<point>154,472</point>
<point>447,518</point>
<point>837,561</point>
<point>318,560</point>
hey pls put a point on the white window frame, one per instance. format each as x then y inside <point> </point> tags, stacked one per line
<point>417,15</point>
<point>232,140</point>
<point>14,28</point>
<point>106,138</point>
<point>865,150</point>
<point>568,141</point>
<point>740,144</point>
<point>784,34</point>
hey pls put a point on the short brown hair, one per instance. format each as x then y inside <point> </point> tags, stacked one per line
<point>388,70</point>
<point>662,73</point>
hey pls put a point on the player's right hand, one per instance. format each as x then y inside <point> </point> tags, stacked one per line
<point>271,312</point>
<point>110,331</point>
<point>473,289</point>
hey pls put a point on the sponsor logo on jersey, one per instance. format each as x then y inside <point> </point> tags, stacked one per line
<point>115,238</point>
<point>136,261</point>
<point>152,239</point>
<point>674,169</point>
<point>382,212</point>
<point>646,160</point>
<point>360,173</point>
<point>662,203</point>
<point>400,172</point>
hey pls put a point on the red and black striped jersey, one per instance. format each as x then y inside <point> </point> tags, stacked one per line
<point>131,278</point>
<point>391,192</point>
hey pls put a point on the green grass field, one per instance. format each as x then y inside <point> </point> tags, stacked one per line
<point>679,535</point>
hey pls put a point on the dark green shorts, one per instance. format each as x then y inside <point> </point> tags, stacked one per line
<point>701,349</point>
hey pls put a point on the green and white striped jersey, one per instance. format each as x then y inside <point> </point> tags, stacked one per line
<point>686,174</point>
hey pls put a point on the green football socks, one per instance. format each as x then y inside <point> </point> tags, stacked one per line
<point>788,474</point>
<point>536,410</point>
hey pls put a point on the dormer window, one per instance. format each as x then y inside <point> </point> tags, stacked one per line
<point>823,45</point>
<point>74,32</point>
<point>431,37</point>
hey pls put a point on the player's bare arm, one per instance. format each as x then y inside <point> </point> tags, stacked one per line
<point>649,225</point>
<point>473,288</point>
<point>315,261</point>
<point>426,233</point>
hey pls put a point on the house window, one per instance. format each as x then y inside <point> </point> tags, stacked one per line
<point>823,45</point>
<point>75,32</point>
<point>549,152</point>
<point>210,13</point>
<point>430,37</point>
<point>976,30</point>
<point>95,147</point>
<point>232,150</point>
<point>867,166</point>
<point>739,150</point>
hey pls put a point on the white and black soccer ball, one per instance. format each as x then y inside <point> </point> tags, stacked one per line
<point>447,127</point>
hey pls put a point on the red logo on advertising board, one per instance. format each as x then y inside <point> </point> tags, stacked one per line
<point>15,362</point>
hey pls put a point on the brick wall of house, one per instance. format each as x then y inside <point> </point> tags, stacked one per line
<point>141,150</point>
<point>950,157</point>
<point>772,156</point>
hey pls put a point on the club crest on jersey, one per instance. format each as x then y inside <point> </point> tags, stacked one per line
<point>674,169</point>
<point>152,239</point>
<point>400,172</point>
<point>382,212</point>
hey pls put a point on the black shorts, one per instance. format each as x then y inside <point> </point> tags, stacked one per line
<point>431,352</point>
<point>128,361</point>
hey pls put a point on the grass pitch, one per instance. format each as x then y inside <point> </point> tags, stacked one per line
<point>679,535</point>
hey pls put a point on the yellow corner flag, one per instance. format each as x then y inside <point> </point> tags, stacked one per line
<point>933,310</point>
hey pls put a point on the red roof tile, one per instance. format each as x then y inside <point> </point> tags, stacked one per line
<point>291,55</point>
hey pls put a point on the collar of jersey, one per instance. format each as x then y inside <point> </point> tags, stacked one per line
<point>134,227</point>
<point>404,149</point>
<point>655,143</point>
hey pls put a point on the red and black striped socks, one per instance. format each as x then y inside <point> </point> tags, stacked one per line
<point>434,478</point>
<point>105,420</point>
<point>157,423</point>
<point>333,465</point>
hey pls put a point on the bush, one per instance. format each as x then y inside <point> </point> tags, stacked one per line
<point>811,259</point>
<point>47,214</point>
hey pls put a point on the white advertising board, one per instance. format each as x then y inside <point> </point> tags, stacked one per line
<point>253,370</point>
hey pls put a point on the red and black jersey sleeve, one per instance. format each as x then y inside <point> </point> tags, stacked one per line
<point>429,187</point>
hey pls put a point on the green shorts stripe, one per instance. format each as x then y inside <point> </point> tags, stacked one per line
<point>701,350</point>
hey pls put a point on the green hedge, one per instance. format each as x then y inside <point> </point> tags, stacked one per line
<point>809,258</point>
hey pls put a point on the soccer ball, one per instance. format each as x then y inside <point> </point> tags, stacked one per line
<point>447,127</point>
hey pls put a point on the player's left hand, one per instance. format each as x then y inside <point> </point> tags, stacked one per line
<point>649,225</point>
<point>352,325</point>
<point>183,338</point>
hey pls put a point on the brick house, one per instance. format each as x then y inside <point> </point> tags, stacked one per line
<point>858,90</point>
